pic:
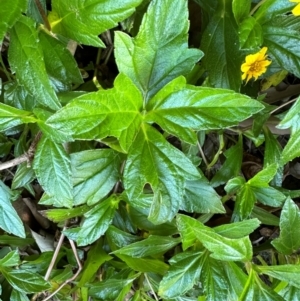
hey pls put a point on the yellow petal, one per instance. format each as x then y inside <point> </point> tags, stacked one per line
<point>296,10</point>
<point>296,1</point>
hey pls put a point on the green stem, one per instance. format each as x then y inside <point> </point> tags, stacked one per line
<point>217,155</point>
<point>256,7</point>
<point>4,69</point>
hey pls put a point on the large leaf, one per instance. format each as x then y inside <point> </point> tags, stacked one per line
<point>200,108</point>
<point>83,21</point>
<point>25,281</point>
<point>9,219</point>
<point>159,53</point>
<point>222,248</point>
<point>288,241</point>
<point>26,60</point>
<point>10,117</point>
<point>114,112</point>
<point>94,174</point>
<point>9,13</point>
<point>153,160</point>
<point>96,222</point>
<point>283,45</point>
<point>53,170</point>
<point>220,44</point>
<point>150,246</point>
<point>184,272</point>
<point>60,63</point>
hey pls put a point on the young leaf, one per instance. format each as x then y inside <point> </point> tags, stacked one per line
<point>222,248</point>
<point>94,174</point>
<point>60,215</point>
<point>84,21</point>
<point>222,57</point>
<point>288,241</point>
<point>201,108</point>
<point>60,63</point>
<point>96,222</point>
<point>114,112</point>
<point>287,273</point>
<point>26,60</point>
<point>184,272</point>
<point>153,160</point>
<point>9,219</point>
<point>9,14</point>
<point>150,246</point>
<point>159,53</point>
<point>10,117</point>
<point>25,281</point>
<point>52,168</point>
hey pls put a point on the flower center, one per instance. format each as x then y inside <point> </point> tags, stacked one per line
<point>255,67</point>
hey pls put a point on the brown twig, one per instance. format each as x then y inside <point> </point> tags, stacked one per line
<point>43,14</point>
<point>26,157</point>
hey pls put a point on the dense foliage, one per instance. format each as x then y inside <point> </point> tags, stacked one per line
<point>147,159</point>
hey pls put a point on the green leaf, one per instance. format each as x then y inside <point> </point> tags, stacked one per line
<point>184,271</point>
<point>59,215</point>
<point>114,112</point>
<point>287,273</point>
<point>222,248</point>
<point>291,120</point>
<point>96,222</point>
<point>18,296</point>
<point>9,14</point>
<point>159,53</point>
<point>26,60</point>
<point>262,178</point>
<point>9,219</point>
<point>60,63</point>
<point>118,239</point>
<point>220,44</point>
<point>271,8</point>
<point>264,216</point>
<point>10,260</point>
<point>231,166</point>
<point>145,265</point>
<point>96,257</point>
<point>94,173</point>
<point>288,241</point>
<point>153,160</point>
<point>201,108</point>
<point>23,176</point>
<point>25,281</point>
<point>53,171</point>
<point>150,246</point>
<point>241,9</point>
<point>84,21</point>
<point>200,197</point>
<point>238,229</point>
<point>15,241</point>
<point>11,117</point>
<point>110,288</point>
<point>283,45</point>
<point>250,34</point>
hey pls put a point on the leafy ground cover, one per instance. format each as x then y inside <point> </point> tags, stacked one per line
<point>149,150</point>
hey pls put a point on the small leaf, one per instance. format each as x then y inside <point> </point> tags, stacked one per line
<point>60,63</point>
<point>26,60</point>
<point>159,53</point>
<point>9,14</point>
<point>60,215</point>
<point>10,117</point>
<point>9,219</point>
<point>250,34</point>
<point>184,272</point>
<point>96,222</point>
<point>222,248</point>
<point>241,9</point>
<point>264,216</point>
<point>52,168</point>
<point>25,281</point>
<point>84,21</point>
<point>288,241</point>
<point>150,246</point>
<point>153,160</point>
<point>10,260</point>
<point>94,173</point>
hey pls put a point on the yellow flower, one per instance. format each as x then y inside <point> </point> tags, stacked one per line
<point>296,10</point>
<point>255,65</point>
